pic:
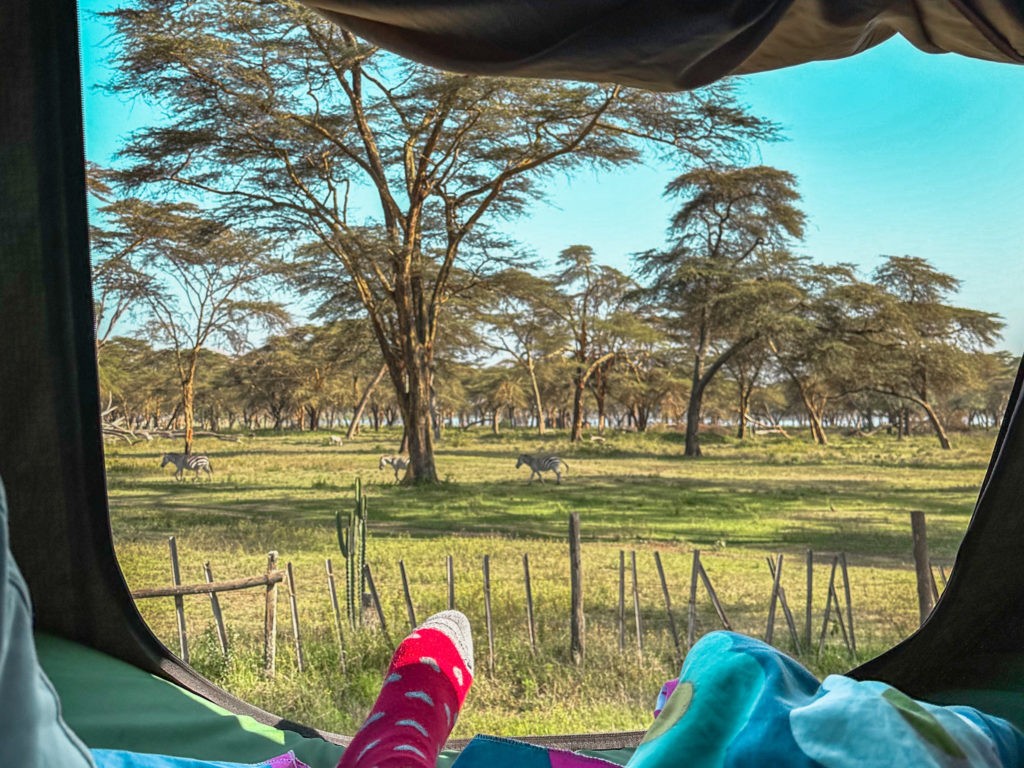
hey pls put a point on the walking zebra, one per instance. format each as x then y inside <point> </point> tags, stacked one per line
<point>397,463</point>
<point>196,462</point>
<point>538,464</point>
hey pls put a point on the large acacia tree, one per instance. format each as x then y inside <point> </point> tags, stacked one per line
<point>397,171</point>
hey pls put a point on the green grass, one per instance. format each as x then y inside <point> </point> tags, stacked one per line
<point>741,502</point>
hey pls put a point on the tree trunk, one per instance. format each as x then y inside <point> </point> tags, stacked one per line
<point>496,421</point>
<point>579,387</point>
<point>814,417</point>
<point>643,418</point>
<point>188,395</point>
<point>538,406</point>
<point>696,401</point>
<point>744,408</point>
<point>314,418</point>
<point>416,417</point>
<point>580,380</point>
<point>693,421</point>
<point>357,415</point>
<point>936,422</point>
<point>435,416</point>
<point>600,389</point>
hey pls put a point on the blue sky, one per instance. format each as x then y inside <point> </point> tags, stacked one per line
<point>896,152</point>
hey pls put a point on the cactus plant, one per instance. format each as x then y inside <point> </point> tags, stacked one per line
<point>352,542</point>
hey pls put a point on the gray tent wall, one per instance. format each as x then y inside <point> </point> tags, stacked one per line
<point>51,456</point>
<point>51,452</point>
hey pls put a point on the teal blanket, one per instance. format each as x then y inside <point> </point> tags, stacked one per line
<point>739,702</point>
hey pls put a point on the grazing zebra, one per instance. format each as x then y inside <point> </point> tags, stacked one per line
<point>538,464</point>
<point>334,440</point>
<point>397,463</point>
<point>197,462</point>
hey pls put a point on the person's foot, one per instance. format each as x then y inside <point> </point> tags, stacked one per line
<point>420,699</point>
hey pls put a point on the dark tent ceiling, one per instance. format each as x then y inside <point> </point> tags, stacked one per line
<point>670,44</point>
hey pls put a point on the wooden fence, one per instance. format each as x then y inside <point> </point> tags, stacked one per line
<point>838,610</point>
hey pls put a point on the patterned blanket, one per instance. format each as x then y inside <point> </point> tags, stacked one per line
<point>739,702</point>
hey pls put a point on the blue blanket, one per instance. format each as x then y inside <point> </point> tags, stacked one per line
<point>740,702</point>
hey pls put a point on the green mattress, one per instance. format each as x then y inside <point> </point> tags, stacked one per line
<point>113,705</point>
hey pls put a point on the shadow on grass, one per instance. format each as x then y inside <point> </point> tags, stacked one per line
<point>856,516</point>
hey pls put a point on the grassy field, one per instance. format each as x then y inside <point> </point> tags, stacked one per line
<point>634,493</point>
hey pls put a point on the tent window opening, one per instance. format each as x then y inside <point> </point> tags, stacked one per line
<point>336,318</point>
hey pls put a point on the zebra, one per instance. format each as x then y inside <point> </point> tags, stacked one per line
<point>196,462</point>
<point>397,463</point>
<point>538,464</point>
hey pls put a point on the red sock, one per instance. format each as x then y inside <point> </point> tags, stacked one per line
<point>420,699</point>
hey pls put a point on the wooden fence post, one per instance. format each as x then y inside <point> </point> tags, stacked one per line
<point>529,605</point>
<point>810,598</point>
<point>849,602</point>
<point>179,601</point>
<point>714,596</point>
<point>691,609</point>
<point>576,619</point>
<point>636,609</point>
<point>337,614</point>
<point>218,617</point>
<point>924,589</point>
<point>622,601</point>
<point>668,605</point>
<point>410,611</point>
<point>833,596</point>
<point>293,606</point>
<point>840,620</point>
<point>376,604</point>
<point>270,619</point>
<point>487,614</point>
<point>450,575</point>
<point>777,576</point>
<point>790,621</point>
<point>828,604</point>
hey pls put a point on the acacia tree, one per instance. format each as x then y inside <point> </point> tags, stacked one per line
<point>727,279</point>
<point>519,322</point>
<point>586,299</point>
<point>928,346</point>
<point>393,168</point>
<point>647,373</point>
<point>205,282</point>
<point>746,369</point>
<point>118,287</point>
<point>816,344</point>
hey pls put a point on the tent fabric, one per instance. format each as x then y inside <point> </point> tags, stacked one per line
<point>670,44</point>
<point>970,650</point>
<point>51,454</point>
<point>114,705</point>
<point>51,451</point>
